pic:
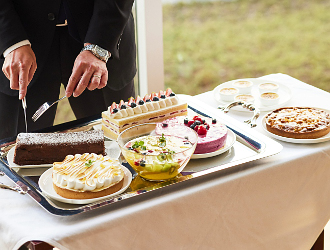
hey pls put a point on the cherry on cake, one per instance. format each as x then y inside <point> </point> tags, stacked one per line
<point>155,107</point>
<point>87,176</point>
<point>212,135</point>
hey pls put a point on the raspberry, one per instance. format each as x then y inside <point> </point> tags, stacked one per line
<point>201,130</point>
<point>190,123</point>
<point>195,117</point>
<point>196,128</point>
<point>198,119</point>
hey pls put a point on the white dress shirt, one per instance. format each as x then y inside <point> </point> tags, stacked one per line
<point>16,46</point>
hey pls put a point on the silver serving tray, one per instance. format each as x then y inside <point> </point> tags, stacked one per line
<point>250,145</point>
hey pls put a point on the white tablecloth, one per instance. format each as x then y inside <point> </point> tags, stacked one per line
<point>279,202</point>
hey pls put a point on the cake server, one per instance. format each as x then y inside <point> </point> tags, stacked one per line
<point>24,108</point>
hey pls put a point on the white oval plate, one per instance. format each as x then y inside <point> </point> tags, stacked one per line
<point>231,138</point>
<point>111,149</point>
<point>46,186</point>
<point>293,140</point>
<point>283,91</point>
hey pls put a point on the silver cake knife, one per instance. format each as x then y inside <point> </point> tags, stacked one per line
<point>24,108</point>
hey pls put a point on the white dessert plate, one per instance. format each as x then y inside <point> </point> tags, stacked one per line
<point>46,186</point>
<point>293,140</point>
<point>231,138</point>
<point>111,149</point>
<point>284,92</point>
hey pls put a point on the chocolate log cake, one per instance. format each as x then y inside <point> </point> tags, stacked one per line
<point>46,148</point>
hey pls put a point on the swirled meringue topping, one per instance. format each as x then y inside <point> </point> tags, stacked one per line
<point>87,172</point>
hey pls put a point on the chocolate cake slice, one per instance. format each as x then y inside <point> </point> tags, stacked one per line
<point>46,148</point>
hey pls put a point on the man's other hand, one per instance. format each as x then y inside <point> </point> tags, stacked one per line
<point>88,72</point>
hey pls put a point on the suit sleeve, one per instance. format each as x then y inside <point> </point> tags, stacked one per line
<point>11,28</point>
<point>108,22</point>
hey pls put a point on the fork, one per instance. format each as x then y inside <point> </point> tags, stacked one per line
<point>43,108</point>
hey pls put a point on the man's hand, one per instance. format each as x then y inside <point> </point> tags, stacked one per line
<point>88,72</point>
<point>19,67</point>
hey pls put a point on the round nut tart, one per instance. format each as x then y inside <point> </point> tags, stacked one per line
<point>298,122</point>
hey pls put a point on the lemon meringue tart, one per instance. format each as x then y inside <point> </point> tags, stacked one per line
<point>87,176</point>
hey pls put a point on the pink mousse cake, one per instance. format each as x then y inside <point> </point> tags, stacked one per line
<point>212,135</point>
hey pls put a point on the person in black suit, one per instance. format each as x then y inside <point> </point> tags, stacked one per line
<point>41,46</point>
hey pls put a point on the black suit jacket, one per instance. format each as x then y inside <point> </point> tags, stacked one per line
<point>107,23</point>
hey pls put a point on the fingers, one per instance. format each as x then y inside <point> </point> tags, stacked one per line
<point>88,72</point>
<point>23,79</point>
<point>19,67</point>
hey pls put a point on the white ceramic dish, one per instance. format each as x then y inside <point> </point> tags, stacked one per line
<point>231,138</point>
<point>244,85</point>
<point>111,149</point>
<point>293,140</point>
<point>268,87</point>
<point>228,94</point>
<point>284,92</point>
<point>46,186</point>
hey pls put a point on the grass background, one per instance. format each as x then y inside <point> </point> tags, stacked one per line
<point>206,44</point>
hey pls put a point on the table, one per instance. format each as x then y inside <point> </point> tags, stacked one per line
<point>279,202</point>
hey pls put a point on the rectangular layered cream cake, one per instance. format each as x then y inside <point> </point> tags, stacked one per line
<point>154,108</point>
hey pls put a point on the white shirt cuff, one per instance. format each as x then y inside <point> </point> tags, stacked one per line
<point>16,46</point>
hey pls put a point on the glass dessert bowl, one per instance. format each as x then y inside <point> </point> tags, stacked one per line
<point>156,156</point>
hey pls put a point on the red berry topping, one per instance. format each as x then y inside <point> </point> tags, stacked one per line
<point>146,98</point>
<point>112,107</point>
<point>201,130</point>
<point>196,127</point>
<point>153,94</point>
<point>190,123</point>
<point>168,92</point>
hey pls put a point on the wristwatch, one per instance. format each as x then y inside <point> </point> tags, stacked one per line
<point>97,51</point>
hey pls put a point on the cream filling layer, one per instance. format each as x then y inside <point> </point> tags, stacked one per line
<point>87,172</point>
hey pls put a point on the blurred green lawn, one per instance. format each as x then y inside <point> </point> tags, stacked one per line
<point>206,44</point>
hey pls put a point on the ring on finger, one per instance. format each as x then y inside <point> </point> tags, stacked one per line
<point>98,76</point>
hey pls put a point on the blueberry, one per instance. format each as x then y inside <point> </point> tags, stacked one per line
<point>163,96</point>
<point>133,105</point>
<point>148,100</point>
<point>142,163</point>
<point>155,99</point>
<point>203,121</point>
<point>115,110</point>
<point>185,121</point>
<point>197,122</point>
<point>165,125</point>
<point>123,106</point>
<point>141,102</point>
<point>172,94</point>
<point>130,148</point>
<point>193,125</point>
<point>214,121</point>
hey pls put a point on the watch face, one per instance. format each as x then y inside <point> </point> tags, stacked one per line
<point>101,51</point>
